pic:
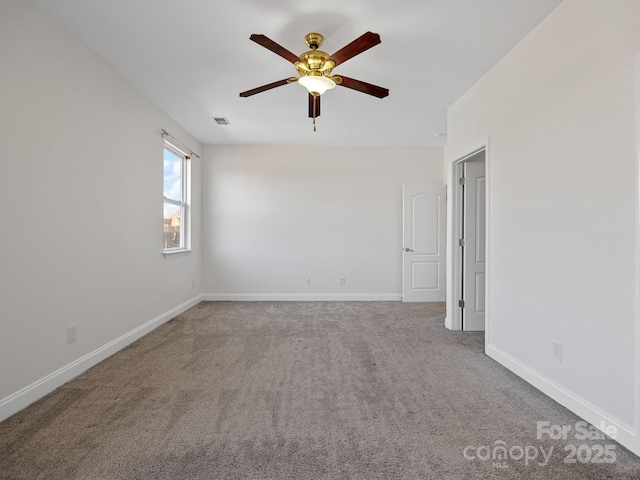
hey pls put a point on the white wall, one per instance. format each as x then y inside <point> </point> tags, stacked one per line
<point>81,196</point>
<point>559,111</point>
<point>276,215</point>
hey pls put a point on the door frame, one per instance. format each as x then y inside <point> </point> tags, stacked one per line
<point>453,319</point>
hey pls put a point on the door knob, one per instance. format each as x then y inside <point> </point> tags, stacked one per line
<point>407,249</point>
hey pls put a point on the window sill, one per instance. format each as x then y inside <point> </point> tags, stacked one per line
<point>176,253</point>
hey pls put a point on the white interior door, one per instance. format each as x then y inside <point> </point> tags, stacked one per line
<point>474,224</point>
<point>424,210</point>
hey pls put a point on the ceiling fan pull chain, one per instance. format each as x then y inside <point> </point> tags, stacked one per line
<point>315,103</point>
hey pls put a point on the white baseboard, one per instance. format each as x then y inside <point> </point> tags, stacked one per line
<point>627,436</point>
<point>31,393</point>
<point>302,297</point>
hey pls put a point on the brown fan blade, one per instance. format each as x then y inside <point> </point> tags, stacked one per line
<point>359,45</point>
<point>364,87</point>
<point>264,88</point>
<point>269,44</point>
<point>314,106</point>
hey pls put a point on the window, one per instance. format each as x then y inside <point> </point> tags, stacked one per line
<point>176,200</point>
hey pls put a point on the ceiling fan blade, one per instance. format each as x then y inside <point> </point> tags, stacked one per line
<point>269,44</point>
<point>264,88</point>
<point>359,45</point>
<point>314,106</point>
<point>364,87</point>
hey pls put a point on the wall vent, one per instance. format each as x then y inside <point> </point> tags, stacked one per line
<point>222,120</point>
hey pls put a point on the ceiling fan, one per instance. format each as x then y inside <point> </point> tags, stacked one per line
<point>315,67</point>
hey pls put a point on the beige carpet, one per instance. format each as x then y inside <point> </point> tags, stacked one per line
<point>300,390</point>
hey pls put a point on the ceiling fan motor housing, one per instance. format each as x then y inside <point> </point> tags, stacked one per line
<point>315,61</point>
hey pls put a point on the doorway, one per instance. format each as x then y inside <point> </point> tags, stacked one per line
<point>424,243</point>
<point>468,243</point>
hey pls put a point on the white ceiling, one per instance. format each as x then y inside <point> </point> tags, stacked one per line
<point>193,57</point>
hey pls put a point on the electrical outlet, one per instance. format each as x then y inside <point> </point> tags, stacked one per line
<point>193,284</point>
<point>307,281</point>
<point>556,350</point>
<point>71,334</point>
<point>343,281</point>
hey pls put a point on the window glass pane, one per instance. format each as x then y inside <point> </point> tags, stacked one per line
<point>172,173</point>
<point>172,233</point>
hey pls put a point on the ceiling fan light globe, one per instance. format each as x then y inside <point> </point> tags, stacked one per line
<point>316,84</point>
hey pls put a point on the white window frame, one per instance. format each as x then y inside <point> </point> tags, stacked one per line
<point>184,203</point>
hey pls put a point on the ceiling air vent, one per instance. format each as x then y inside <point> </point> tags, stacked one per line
<point>221,120</point>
